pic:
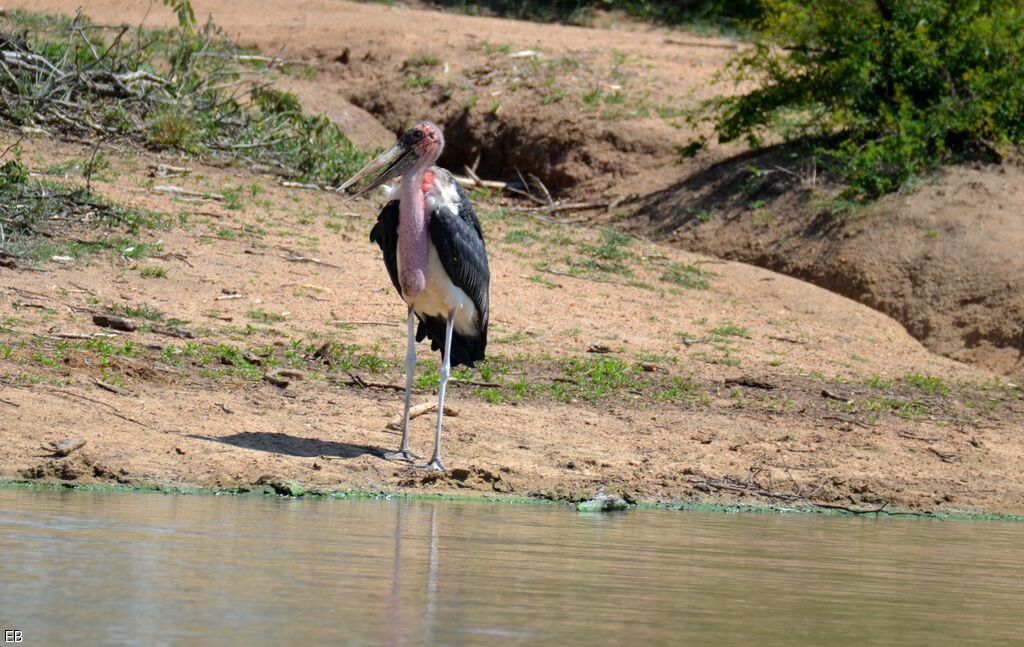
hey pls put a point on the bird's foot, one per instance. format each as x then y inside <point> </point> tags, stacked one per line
<point>402,455</point>
<point>435,465</point>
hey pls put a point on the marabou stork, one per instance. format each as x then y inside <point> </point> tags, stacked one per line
<point>433,249</point>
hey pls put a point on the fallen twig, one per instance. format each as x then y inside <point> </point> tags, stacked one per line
<point>113,388</point>
<point>945,457</point>
<point>592,279</point>
<point>355,380</point>
<point>294,257</point>
<point>848,420</point>
<point>906,434</point>
<point>189,193</point>
<point>556,207</point>
<point>418,410</point>
<point>110,409</point>
<point>788,340</point>
<point>339,322</point>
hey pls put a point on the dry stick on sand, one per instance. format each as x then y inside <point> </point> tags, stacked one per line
<point>419,410</point>
<point>294,257</point>
<point>355,380</point>
<point>113,388</point>
<point>188,193</point>
<point>111,410</point>
<point>339,322</point>
<point>548,270</point>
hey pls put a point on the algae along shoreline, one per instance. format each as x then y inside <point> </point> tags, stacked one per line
<point>579,507</point>
<point>172,312</point>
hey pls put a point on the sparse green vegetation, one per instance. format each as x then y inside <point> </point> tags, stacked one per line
<point>153,272</point>
<point>423,60</point>
<point>38,217</point>
<point>264,317</point>
<point>927,383</point>
<point>142,311</point>
<point>417,80</point>
<point>521,236</point>
<point>876,382</point>
<point>612,246</point>
<point>597,377</point>
<point>904,408</point>
<point>541,280</point>
<point>687,275</point>
<point>729,329</point>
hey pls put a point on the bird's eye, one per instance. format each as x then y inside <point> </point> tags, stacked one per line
<point>417,135</point>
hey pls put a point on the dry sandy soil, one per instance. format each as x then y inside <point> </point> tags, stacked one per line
<point>759,388</point>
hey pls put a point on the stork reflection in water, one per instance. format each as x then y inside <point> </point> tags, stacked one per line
<point>433,249</point>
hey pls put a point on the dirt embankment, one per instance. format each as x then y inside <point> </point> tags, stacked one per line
<point>946,261</point>
<point>721,381</point>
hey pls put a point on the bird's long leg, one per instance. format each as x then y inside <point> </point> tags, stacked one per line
<point>403,453</point>
<point>446,369</point>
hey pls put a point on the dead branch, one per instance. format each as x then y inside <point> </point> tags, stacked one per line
<point>418,410</point>
<point>556,207</point>
<point>592,279</point>
<point>188,193</point>
<point>355,380</point>
<point>294,257</point>
<point>788,340</point>
<point>474,181</point>
<point>902,433</point>
<point>113,388</point>
<point>848,420</point>
<point>110,409</point>
<point>945,457</point>
<point>339,322</point>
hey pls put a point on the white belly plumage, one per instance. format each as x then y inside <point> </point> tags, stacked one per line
<point>440,296</point>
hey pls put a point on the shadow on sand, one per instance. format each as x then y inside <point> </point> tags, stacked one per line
<point>277,443</point>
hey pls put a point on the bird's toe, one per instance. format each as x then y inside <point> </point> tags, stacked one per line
<point>402,455</point>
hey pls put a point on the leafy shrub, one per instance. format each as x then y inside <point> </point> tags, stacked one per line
<point>892,87</point>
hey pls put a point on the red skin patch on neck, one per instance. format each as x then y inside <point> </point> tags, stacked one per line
<point>428,181</point>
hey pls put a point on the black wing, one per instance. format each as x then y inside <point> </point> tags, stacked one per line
<point>459,241</point>
<point>385,234</point>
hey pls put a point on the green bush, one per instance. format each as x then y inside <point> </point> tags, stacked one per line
<point>892,87</point>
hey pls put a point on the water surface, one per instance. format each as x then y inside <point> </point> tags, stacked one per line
<point>150,569</point>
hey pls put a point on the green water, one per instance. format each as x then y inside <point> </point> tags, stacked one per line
<point>79,568</point>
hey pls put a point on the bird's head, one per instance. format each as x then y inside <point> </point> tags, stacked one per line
<point>420,146</point>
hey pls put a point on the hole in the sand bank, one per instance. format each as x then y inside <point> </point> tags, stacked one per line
<point>502,151</point>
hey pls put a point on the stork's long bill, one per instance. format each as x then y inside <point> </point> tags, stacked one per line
<point>390,164</point>
<point>410,157</point>
<point>422,141</point>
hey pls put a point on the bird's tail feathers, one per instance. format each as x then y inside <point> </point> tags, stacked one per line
<point>466,349</point>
